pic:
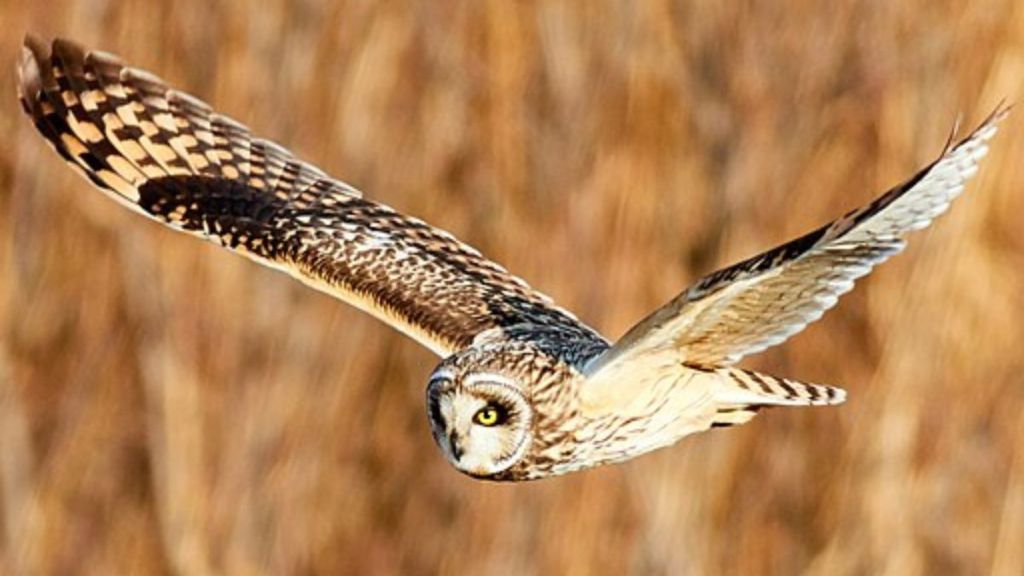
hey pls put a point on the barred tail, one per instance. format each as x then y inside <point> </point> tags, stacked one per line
<point>745,392</point>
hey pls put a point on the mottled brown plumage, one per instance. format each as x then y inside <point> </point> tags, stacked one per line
<point>525,390</point>
<point>169,156</point>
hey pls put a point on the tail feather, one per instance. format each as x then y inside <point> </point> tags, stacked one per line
<point>746,392</point>
<point>732,416</point>
<point>751,388</point>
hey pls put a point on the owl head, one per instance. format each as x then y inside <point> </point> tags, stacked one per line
<point>480,419</point>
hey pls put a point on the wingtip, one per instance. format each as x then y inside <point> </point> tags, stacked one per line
<point>35,44</point>
<point>26,66</point>
<point>1002,110</point>
<point>69,52</point>
<point>951,140</point>
<point>997,115</point>
<point>34,66</point>
<point>29,71</point>
<point>983,131</point>
<point>35,51</point>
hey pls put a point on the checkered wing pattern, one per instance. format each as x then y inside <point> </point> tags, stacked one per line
<point>170,157</point>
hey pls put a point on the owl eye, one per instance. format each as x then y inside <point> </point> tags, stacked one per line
<point>490,415</point>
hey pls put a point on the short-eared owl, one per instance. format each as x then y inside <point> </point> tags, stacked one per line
<point>525,389</point>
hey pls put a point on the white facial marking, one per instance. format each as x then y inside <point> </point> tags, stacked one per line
<point>482,425</point>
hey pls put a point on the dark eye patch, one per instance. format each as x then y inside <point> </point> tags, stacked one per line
<point>503,412</point>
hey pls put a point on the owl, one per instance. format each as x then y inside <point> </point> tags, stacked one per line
<point>524,390</point>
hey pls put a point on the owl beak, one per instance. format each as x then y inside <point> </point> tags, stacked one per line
<point>453,442</point>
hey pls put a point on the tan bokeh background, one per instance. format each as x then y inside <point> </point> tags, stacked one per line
<point>166,407</point>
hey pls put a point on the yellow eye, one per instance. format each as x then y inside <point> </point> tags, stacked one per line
<point>489,415</point>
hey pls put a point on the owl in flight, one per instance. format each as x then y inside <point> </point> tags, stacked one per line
<point>525,390</point>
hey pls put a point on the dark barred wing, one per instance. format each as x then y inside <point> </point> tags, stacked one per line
<point>761,301</point>
<point>169,156</point>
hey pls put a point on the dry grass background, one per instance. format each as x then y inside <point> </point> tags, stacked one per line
<point>168,408</point>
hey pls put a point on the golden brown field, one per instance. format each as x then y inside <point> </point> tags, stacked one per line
<point>166,407</point>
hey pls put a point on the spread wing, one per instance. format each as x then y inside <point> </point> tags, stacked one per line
<point>168,156</point>
<point>761,301</point>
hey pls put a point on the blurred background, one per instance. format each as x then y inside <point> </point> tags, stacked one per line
<point>167,407</point>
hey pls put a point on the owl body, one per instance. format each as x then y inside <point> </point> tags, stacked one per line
<point>547,426</point>
<point>526,390</point>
